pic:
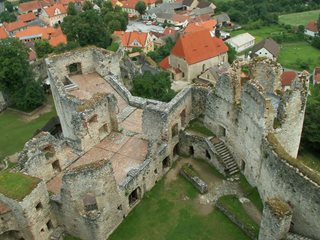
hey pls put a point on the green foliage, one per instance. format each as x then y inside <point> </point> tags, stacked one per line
<point>232,53</point>
<point>43,48</point>
<point>66,47</point>
<point>251,193</point>
<point>153,86</point>
<point>140,7</point>
<point>9,6</point>
<point>160,53</point>
<point>6,16</point>
<point>113,47</point>
<point>311,127</point>
<point>316,42</point>
<point>16,77</point>
<point>86,28</point>
<point>299,18</point>
<point>112,16</point>
<point>87,6</point>
<point>71,11</point>
<point>318,22</point>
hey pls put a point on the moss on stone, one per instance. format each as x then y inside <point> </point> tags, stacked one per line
<point>279,208</point>
<point>196,125</point>
<point>17,185</point>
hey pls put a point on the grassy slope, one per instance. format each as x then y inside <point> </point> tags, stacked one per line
<point>15,132</point>
<point>310,159</point>
<point>300,18</point>
<point>164,215</point>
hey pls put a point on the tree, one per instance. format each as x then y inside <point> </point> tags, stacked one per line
<point>140,7</point>
<point>232,53</point>
<point>318,23</point>
<point>43,48</point>
<point>311,126</point>
<point>154,86</point>
<point>16,76</point>
<point>6,16</point>
<point>316,42</point>
<point>9,6</point>
<point>86,28</point>
<point>87,6</point>
<point>163,51</point>
<point>72,11</point>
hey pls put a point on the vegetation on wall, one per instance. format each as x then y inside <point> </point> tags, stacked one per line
<point>160,53</point>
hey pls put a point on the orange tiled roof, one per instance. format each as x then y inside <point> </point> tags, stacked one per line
<point>33,31</point>
<point>132,3</point>
<point>164,64</point>
<point>3,33</point>
<point>129,37</point>
<point>118,33</point>
<point>180,18</point>
<point>27,17</point>
<point>198,46</point>
<point>51,11</point>
<point>287,77</point>
<point>14,25</point>
<point>56,40</point>
<point>198,26</point>
<point>312,26</point>
<point>29,6</point>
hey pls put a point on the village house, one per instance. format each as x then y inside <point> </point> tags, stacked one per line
<point>33,6</point>
<point>162,12</point>
<point>3,33</point>
<point>27,17</point>
<point>209,25</point>
<point>311,29</point>
<point>193,54</point>
<point>33,33</point>
<point>241,42</point>
<point>223,19</point>
<point>287,77</point>
<point>316,75</point>
<point>193,4</point>
<point>13,27</point>
<point>267,48</point>
<point>131,40</point>
<point>129,6</point>
<point>213,74</point>
<point>53,15</point>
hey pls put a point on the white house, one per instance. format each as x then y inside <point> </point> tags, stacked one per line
<point>311,29</point>
<point>54,14</point>
<point>241,42</point>
<point>267,48</point>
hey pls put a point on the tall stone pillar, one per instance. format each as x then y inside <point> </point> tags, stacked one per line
<point>276,220</point>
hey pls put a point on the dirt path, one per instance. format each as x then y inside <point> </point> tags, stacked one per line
<point>252,211</point>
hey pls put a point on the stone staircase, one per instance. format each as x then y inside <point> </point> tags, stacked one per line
<point>228,161</point>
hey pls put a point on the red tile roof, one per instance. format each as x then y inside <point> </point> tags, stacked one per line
<point>132,3</point>
<point>129,37</point>
<point>27,17</point>
<point>56,9</point>
<point>198,46</point>
<point>287,77</point>
<point>14,25</point>
<point>118,33</point>
<point>312,26</point>
<point>29,6</point>
<point>56,40</point>
<point>164,64</point>
<point>3,33</point>
<point>316,77</point>
<point>179,18</point>
<point>198,26</point>
<point>32,32</point>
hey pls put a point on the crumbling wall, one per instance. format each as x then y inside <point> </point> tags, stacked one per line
<point>97,180</point>
<point>44,156</point>
<point>39,69</point>
<point>31,218</point>
<point>279,179</point>
<point>3,103</point>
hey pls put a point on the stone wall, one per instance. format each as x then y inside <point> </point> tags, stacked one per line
<point>3,103</point>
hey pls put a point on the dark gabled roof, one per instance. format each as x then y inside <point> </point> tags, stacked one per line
<point>221,18</point>
<point>269,44</point>
<point>203,4</point>
<point>187,2</point>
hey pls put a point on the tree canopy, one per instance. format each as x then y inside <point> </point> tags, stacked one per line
<point>43,48</point>
<point>160,53</point>
<point>140,7</point>
<point>153,86</point>
<point>71,11</point>
<point>232,53</point>
<point>16,76</point>
<point>6,16</point>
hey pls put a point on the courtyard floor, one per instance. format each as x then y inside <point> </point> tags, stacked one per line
<point>173,209</point>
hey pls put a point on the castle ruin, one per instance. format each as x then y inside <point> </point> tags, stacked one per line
<point>115,147</point>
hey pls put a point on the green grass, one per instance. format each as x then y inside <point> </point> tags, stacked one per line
<point>234,206</point>
<point>16,185</point>
<point>15,132</point>
<point>290,54</point>
<point>196,125</point>
<point>260,33</point>
<point>300,18</point>
<point>69,237</point>
<point>113,47</point>
<point>164,215</point>
<point>251,193</point>
<point>311,159</point>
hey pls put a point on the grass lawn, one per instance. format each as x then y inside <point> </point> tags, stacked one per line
<point>300,18</point>
<point>290,53</point>
<point>15,131</point>
<point>196,125</point>
<point>260,33</point>
<point>166,214</point>
<point>16,185</point>
<point>311,159</point>
<point>251,193</point>
<point>234,206</point>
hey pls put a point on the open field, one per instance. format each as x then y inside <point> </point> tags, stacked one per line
<point>300,18</point>
<point>292,53</point>
<point>15,130</point>
<point>171,211</point>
